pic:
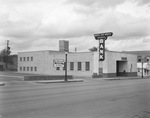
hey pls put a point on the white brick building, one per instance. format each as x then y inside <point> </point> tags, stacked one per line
<point>79,63</point>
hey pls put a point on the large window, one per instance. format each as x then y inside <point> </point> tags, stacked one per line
<point>31,58</point>
<point>31,68</point>
<point>24,58</point>
<point>87,66</point>
<point>27,68</point>
<point>20,58</point>
<point>27,58</point>
<point>71,65</point>
<point>57,68</point>
<point>79,66</point>
<point>20,68</point>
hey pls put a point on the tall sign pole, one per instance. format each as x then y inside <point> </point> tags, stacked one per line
<point>102,37</point>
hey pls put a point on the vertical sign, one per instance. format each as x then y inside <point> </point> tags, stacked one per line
<point>102,49</point>
<point>102,37</point>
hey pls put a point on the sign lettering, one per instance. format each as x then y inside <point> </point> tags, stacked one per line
<point>101,57</point>
<point>58,62</point>
<point>102,37</point>
<point>101,49</point>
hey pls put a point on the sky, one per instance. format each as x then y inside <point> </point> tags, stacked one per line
<point>33,25</point>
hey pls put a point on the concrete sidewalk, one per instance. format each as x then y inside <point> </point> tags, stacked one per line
<point>58,81</point>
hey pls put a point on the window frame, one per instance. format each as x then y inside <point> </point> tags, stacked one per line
<point>79,66</point>
<point>71,66</point>
<point>87,66</point>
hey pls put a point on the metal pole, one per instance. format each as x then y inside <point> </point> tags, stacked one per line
<point>7,54</point>
<point>66,67</point>
<point>142,68</point>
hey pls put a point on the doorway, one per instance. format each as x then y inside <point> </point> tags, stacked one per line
<point>121,68</point>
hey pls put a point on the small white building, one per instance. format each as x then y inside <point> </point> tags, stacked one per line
<point>145,69</point>
<point>85,64</point>
<point>143,62</point>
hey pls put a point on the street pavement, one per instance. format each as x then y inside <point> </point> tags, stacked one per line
<point>92,98</point>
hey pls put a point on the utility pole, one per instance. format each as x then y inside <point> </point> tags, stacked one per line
<point>66,53</point>
<point>7,53</point>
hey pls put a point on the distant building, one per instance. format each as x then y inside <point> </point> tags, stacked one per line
<point>63,46</point>
<point>143,58</point>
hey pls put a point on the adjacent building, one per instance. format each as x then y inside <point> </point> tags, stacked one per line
<point>143,62</point>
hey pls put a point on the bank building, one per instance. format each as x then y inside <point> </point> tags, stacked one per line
<point>79,64</point>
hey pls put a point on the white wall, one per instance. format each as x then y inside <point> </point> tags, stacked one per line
<point>43,60</point>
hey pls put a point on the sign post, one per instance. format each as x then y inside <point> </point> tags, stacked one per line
<point>102,37</point>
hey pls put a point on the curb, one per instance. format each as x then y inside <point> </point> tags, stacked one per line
<point>132,78</point>
<point>2,83</point>
<point>57,81</point>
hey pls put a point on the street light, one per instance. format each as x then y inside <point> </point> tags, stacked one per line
<point>66,53</point>
<point>143,60</point>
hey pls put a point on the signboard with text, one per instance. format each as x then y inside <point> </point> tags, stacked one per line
<point>102,37</point>
<point>101,49</point>
<point>58,62</point>
<point>103,34</point>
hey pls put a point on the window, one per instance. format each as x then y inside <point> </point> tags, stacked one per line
<point>71,65</point>
<point>57,68</point>
<point>27,58</point>
<point>31,68</point>
<point>79,66</point>
<point>147,60</point>
<point>27,68</point>
<point>35,68</point>
<point>31,58</point>
<point>139,60</point>
<point>20,58</point>
<point>24,58</point>
<point>20,68</point>
<point>87,66</point>
<point>24,68</point>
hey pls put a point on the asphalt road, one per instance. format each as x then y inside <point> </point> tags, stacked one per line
<point>93,98</point>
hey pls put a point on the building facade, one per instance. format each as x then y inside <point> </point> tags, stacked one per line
<point>143,62</point>
<point>63,46</point>
<point>85,64</point>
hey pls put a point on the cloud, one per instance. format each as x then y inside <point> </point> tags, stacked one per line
<point>143,2</point>
<point>97,3</point>
<point>44,23</point>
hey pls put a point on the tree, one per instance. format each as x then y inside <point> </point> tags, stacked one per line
<point>4,56</point>
<point>93,49</point>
